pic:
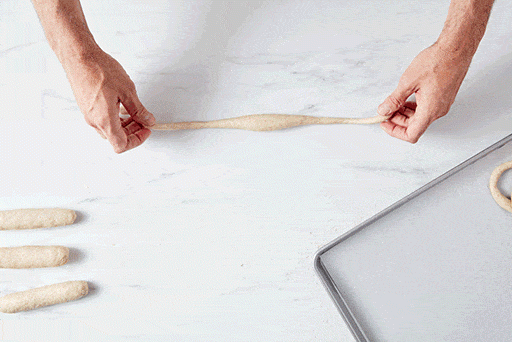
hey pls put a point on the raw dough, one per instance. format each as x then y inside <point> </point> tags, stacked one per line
<point>35,218</point>
<point>502,201</point>
<point>267,122</point>
<point>33,256</point>
<point>271,122</point>
<point>43,296</point>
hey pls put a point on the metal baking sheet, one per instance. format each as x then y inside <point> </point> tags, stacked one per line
<point>435,266</point>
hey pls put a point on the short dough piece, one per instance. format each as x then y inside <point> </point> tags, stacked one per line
<point>35,218</point>
<point>267,122</point>
<point>502,200</point>
<point>33,256</point>
<point>43,296</point>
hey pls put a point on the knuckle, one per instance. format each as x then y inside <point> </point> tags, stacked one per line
<point>143,113</point>
<point>90,121</point>
<point>118,150</point>
<point>405,82</point>
<point>396,102</point>
<point>118,143</point>
<point>130,88</point>
<point>102,122</point>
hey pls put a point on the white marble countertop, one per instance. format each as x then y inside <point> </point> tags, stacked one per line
<point>210,235</point>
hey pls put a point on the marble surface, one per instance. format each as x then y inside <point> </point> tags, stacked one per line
<point>210,235</point>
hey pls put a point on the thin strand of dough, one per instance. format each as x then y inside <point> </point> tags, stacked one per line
<point>33,256</point>
<point>267,122</point>
<point>502,200</point>
<point>36,218</point>
<point>271,122</point>
<point>43,296</point>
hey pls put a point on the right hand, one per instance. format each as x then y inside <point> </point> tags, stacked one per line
<point>101,87</point>
<point>434,76</point>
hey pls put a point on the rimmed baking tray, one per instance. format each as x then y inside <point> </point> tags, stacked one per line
<point>435,266</point>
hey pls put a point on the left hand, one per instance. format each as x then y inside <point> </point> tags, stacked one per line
<point>102,89</point>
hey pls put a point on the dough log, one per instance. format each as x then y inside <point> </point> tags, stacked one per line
<point>43,296</point>
<point>33,256</point>
<point>35,218</point>
<point>267,122</point>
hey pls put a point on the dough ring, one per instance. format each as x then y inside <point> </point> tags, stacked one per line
<point>501,199</point>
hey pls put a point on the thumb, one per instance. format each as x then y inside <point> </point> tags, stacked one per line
<point>137,111</point>
<point>395,101</point>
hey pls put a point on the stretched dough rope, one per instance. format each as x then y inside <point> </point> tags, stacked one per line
<point>43,296</point>
<point>502,201</point>
<point>35,218</point>
<point>33,256</point>
<point>267,122</point>
<point>271,122</point>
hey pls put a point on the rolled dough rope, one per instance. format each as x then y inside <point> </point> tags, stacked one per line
<point>33,256</point>
<point>43,296</point>
<point>502,201</point>
<point>271,122</point>
<point>35,218</point>
<point>267,122</point>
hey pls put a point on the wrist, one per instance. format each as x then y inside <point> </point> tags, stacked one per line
<point>465,26</point>
<point>459,45</point>
<point>76,48</point>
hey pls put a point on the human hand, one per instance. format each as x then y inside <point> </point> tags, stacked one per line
<point>102,88</point>
<point>434,76</point>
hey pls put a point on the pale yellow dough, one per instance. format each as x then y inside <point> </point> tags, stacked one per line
<point>43,296</point>
<point>271,122</point>
<point>35,218</point>
<point>501,199</point>
<point>267,122</point>
<point>33,256</point>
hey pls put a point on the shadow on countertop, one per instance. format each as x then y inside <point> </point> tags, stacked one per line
<point>182,87</point>
<point>482,104</point>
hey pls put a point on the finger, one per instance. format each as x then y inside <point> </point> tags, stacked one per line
<point>399,119</point>
<point>100,133</point>
<point>137,111</point>
<point>394,130</point>
<point>408,111</point>
<point>396,100</point>
<point>126,121</point>
<point>403,116</point>
<point>111,127</point>
<point>418,124</point>
<point>137,138</point>
<point>117,138</point>
<point>411,105</point>
<point>132,128</point>
<point>412,132</point>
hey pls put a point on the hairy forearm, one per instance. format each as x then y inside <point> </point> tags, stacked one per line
<point>65,28</point>
<point>465,26</point>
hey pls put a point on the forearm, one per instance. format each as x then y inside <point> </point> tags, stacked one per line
<point>465,26</point>
<point>66,29</point>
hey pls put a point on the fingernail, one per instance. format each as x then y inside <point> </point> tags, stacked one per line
<point>384,109</point>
